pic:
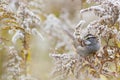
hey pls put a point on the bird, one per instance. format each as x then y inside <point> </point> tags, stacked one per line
<point>89,45</point>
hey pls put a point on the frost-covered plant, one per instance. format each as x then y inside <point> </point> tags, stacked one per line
<point>18,22</point>
<point>105,64</point>
<point>13,67</point>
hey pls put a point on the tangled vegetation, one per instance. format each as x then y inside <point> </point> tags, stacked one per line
<point>105,63</point>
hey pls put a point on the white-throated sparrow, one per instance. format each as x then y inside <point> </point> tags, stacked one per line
<point>89,45</point>
<point>85,47</point>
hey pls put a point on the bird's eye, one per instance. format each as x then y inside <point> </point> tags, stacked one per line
<point>88,38</point>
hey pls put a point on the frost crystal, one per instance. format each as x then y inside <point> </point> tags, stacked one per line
<point>17,36</point>
<point>36,32</point>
